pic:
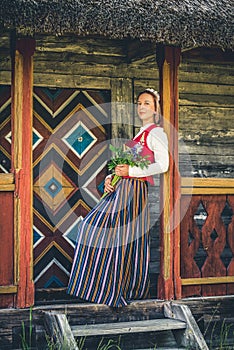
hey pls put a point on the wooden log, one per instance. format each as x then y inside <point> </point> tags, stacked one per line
<point>58,328</point>
<point>192,337</point>
<point>88,46</point>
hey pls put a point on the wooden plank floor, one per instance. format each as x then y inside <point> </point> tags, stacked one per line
<point>127,327</point>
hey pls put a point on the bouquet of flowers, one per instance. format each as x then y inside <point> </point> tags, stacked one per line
<point>131,156</point>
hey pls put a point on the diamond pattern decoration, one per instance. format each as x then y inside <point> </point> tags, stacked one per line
<point>71,234</point>
<point>214,235</point>
<point>190,238</point>
<point>69,167</point>
<point>37,236</point>
<point>37,138</point>
<point>200,257</point>
<point>200,216</point>
<point>53,187</point>
<point>226,255</point>
<point>80,139</point>
<point>8,137</point>
<point>227,214</point>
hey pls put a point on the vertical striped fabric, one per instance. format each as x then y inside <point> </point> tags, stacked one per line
<point>112,252</point>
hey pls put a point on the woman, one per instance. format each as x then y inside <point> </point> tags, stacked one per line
<point>112,253</point>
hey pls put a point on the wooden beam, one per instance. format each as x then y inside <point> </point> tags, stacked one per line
<point>6,188</point>
<point>206,186</point>
<point>11,289</point>
<point>169,286</point>
<point>22,86</point>
<point>208,182</point>
<point>6,179</point>
<point>208,190</point>
<point>207,280</point>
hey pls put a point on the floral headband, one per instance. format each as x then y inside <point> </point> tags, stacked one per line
<point>154,92</point>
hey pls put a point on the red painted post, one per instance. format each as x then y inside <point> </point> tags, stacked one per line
<point>22,114</point>
<point>169,286</point>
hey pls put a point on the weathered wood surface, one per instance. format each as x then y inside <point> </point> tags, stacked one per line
<point>58,329</point>
<point>192,336</point>
<point>128,327</point>
<point>208,312</point>
<point>206,113</point>
<point>76,60</point>
<point>215,318</point>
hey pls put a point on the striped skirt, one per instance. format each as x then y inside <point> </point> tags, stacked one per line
<point>111,258</point>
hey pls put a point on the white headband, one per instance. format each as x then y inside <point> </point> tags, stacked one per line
<point>154,92</point>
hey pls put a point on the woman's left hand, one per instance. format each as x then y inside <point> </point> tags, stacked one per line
<point>122,170</point>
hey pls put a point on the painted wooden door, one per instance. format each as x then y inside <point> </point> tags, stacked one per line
<point>70,136</point>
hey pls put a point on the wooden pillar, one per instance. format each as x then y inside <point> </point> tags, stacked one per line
<point>169,286</point>
<point>22,87</point>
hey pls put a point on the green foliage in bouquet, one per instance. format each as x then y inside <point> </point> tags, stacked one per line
<point>131,156</point>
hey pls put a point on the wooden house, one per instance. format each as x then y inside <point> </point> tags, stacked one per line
<point>70,65</point>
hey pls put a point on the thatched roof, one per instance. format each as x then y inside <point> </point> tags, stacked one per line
<point>185,23</point>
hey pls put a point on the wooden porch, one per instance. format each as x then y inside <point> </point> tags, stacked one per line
<point>214,316</point>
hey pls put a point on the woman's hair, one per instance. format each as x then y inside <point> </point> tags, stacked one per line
<point>156,97</point>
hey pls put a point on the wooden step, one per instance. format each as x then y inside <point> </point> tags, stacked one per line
<point>127,327</point>
<point>177,330</point>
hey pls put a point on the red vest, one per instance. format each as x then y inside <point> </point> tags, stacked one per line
<point>146,151</point>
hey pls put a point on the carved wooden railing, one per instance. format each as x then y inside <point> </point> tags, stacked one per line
<point>207,237</point>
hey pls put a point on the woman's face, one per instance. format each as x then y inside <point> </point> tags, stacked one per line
<point>146,108</point>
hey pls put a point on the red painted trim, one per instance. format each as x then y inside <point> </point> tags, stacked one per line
<point>171,287</point>
<point>25,295</point>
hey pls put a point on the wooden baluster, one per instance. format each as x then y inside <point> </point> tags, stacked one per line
<point>213,266</point>
<point>189,268</point>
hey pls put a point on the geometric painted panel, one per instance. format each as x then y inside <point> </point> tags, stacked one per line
<point>71,234</point>
<point>79,139</point>
<point>70,128</point>
<point>5,128</point>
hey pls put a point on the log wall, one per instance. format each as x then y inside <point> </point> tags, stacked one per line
<point>206,89</point>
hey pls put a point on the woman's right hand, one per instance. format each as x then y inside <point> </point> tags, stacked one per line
<point>107,186</point>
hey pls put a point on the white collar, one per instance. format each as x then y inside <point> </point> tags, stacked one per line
<point>146,126</point>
